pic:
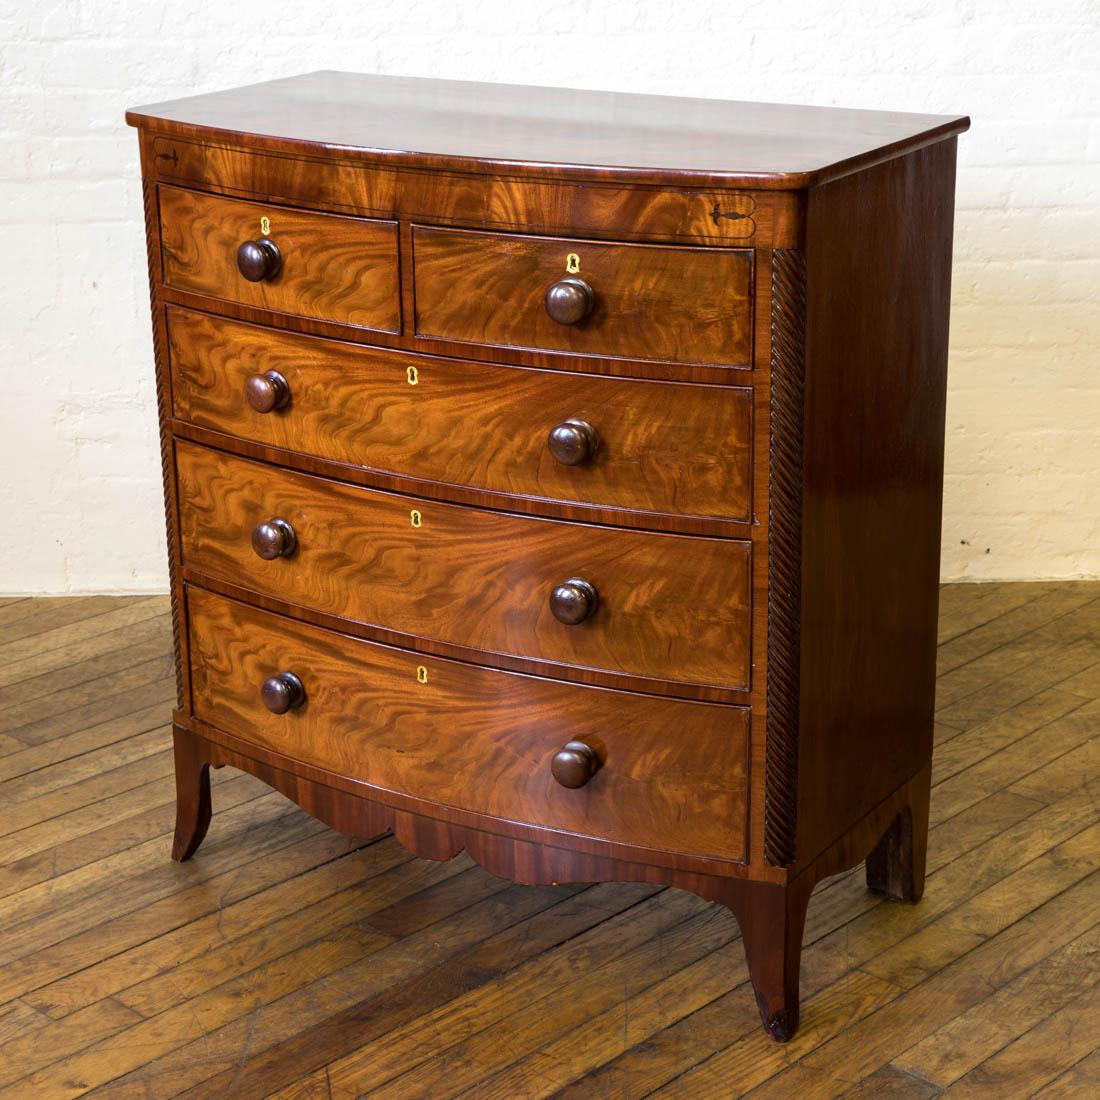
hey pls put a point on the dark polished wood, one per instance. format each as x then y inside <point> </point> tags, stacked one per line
<point>341,269</point>
<point>164,415</point>
<point>574,764</point>
<point>259,260</point>
<point>282,692</point>
<point>473,738</point>
<point>896,865</point>
<point>573,442</point>
<point>785,479</point>
<point>565,493</point>
<point>193,808</point>
<point>426,419</point>
<point>640,301</point>
<point>574,600</point>
<point>765,218</point>
<point>267,392</point>
<point>503,129</point>
<point>569,300</point>
<point>868,606</point>
<point>274,538</point>
<point>659,607</point>
<point>671,212</point>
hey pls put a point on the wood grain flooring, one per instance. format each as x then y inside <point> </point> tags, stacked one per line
<point>287,961</point>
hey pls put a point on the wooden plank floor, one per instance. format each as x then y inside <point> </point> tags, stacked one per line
<point>285,960</point>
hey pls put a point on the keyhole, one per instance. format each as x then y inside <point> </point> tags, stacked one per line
<point>421,674</point>
<point>415,518</point>
<point>413,376</point>
<point>572,263</point>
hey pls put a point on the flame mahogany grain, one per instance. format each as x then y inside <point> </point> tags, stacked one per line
<point>764,368</point>
<point>673,213</point>
<point>341,269</point>
<point>475,738</point>
<point>689,305</point>
<point>671,607</point>
<point>471,424</point>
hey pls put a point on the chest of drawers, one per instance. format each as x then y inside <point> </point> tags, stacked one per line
<point>556,476</point>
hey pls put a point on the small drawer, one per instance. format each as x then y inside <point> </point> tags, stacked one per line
<point>635,301</point>
<point>660,447</point>
<point>664,607</point>
<point>291,261</point>
<point>664,773</point>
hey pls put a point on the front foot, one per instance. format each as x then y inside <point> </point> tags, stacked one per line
<point>192,796</point>
<point>783,1024</point>
<point>772,919</point>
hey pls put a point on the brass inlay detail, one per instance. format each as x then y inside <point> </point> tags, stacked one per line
<point>421,674</point>
<point>413,375</point>
<point>572,263</point>
<point>415,518</point>
<point>265,225</point>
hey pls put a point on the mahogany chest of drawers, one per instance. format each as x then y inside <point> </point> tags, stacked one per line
<point>557,476</point>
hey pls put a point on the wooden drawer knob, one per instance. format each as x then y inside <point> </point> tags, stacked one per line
<point>267,392</point>
<point>259,260</point>
<point>573,442</point>
<point>574,764</point>
<point>282,692</point>
<point>569,300</point>
<point>573,601</point>
<point>273,539</point>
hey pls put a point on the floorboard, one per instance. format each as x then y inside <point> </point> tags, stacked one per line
<point>287,961</point>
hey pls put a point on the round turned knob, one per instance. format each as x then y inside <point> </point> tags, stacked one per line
<point>574,764</point>
<point>569,300</point>
<point>573,601</point>
<point>282,692</point>
<point>259,260</point>
<point>273,539</point>
<point>267,392</point>
<point>573,442</point>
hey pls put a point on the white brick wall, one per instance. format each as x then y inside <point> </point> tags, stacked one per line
<point>80,478</point>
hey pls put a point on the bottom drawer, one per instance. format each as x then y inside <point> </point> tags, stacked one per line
<point>671,775</point>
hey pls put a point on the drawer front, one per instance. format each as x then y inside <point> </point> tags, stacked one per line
<point>661,447</point>
<point>668,607</point>
<point>332,268</point>
<point>672,773</point>
<point>691,305</point>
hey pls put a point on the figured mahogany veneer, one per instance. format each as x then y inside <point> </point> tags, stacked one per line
<point>336,181</point>
<point>556,476</point>
<point>428,730</point>
<point>647,302</point>
<point>671,607</point>
<point>339,269</point>
<point>471,424</point>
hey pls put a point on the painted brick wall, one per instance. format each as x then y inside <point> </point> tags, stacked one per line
<point>79,479</point>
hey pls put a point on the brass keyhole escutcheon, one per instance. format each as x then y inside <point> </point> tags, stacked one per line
<point>413,376</point>
<point>415,518</point>
<point>572,263</point>
<point>265,225</point>
<point>421,674</point>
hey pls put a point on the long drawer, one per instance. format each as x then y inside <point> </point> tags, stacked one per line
<point>472,738</point>
<point>321,266</point>
<point>665,607</point>
<point>691,305</point>
<point>659,447</point>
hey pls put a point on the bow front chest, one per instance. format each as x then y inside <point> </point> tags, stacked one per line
<point>556,476</point>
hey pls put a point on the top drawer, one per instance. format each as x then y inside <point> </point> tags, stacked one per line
<point>323,266</point>
<point>635,301</point>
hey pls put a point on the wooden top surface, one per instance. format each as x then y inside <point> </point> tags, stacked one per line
<point>524,130</point>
